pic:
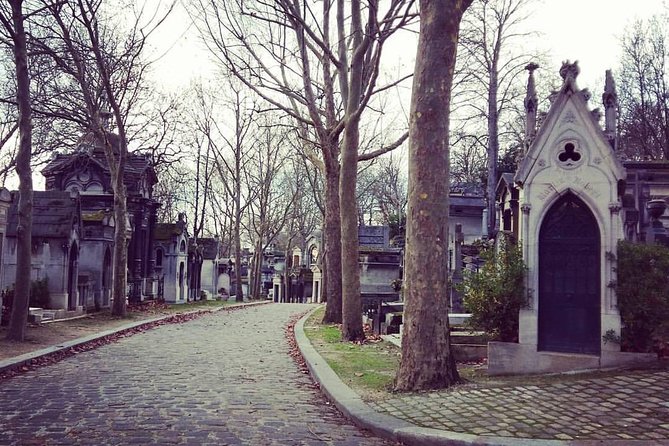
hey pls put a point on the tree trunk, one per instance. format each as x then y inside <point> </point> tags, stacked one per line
<point>239,292</point>
<point>427,361</point>
<point>351,304</point>
<point>257,271</point>
<point>493,149</point>
<point>332,256</point>
<point>120,268</point>
<point>19,316</point>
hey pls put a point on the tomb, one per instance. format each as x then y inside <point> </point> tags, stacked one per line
<point>171,261</point>
<point>569,203</point>
<point>85,173</point>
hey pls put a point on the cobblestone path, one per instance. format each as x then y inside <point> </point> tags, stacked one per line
<point>621,407</point>
<point>223,379</point>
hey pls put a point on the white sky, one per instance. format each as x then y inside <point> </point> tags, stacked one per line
<point>589,31</point>
<point>585,30</point>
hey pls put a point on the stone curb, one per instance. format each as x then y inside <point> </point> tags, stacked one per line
<point>392,428</point>
<point>25,359</point>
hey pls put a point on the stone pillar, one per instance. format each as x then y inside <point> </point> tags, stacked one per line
<point>137,242</point>
<point>656,233</point>
<point>151,289</point>
<point>456,299</point>
<point>531,102</point>
<point>610,102</point>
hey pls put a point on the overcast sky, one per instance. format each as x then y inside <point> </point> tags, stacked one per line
<point>589,31</point>
<point>585,30</point>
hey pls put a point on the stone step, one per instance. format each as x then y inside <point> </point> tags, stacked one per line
<point>469,338</point>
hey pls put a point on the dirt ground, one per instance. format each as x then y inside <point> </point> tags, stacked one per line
<point>52,333</point>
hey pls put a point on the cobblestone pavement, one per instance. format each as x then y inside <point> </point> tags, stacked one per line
<point>224,379</point>
<point>624,407</point>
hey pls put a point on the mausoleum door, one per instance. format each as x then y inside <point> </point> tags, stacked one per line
<point>72,276</point>
<point>569,279</point>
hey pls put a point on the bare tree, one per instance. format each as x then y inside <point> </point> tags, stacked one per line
<point>644,92</point>
<point>101,67</point>
<point>427,361</point>
<point>269,212</point>
<point>231,160</point>
<point>318,63</point>
<point>14,24</point>
<point>492,64</point>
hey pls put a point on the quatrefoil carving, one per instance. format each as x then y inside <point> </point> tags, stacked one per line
<point>569,155</point>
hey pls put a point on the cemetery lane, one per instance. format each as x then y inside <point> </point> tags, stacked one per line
<point>223,379</point>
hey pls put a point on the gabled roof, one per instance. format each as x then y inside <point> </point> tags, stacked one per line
<point>91,151</point>
<point>575,100</point>
<point>54,214</point>
<point>459,201</point>
<point>505,182</point>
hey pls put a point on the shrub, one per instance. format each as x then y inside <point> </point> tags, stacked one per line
<point>7,302</point>
<point>495,294</point>
<point>39,297</point>
<point>643,294</point>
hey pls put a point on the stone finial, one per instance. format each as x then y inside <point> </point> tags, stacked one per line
<point>105,113</point>
<point>569,70</point>
<point>610,101</point>
<point>596,114</point>
<point>531,104</point>
<point>610,96</point>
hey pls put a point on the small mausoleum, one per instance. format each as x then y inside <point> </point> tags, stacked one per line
<point>55,247</point>
<point>85,173</point>
<point>569,205</point>
<point>171,265</point>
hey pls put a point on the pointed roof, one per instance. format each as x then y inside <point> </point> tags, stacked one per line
<point>90,150</point>
<point>569,105</point>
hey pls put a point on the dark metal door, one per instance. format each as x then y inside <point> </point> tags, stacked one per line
<point>569,279</point>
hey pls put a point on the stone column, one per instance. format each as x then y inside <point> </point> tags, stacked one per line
<point>657,233</point>
<point>151,290</point>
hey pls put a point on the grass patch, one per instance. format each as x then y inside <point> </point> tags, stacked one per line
<point>367,368</point>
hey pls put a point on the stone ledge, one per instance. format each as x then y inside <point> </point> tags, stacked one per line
<point>505,358</point>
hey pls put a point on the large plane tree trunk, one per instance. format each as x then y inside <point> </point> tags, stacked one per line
<point>427,361</point>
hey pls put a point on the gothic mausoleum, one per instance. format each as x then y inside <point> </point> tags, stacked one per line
<point>570,202</point>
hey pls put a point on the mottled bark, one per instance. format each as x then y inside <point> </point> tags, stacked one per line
<point>332,256</point>
<point>427,361</point>
<point>19,316</point>
<point>351,303</point>
<point>120,262</point>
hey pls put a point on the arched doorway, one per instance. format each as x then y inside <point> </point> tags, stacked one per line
<point>181,280</point>
<point>106,277</point>
<point>569,279</point>
<point>72,276</point>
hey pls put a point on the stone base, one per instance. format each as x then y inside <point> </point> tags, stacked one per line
<point>505,358</point>
<point>58,301</point>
